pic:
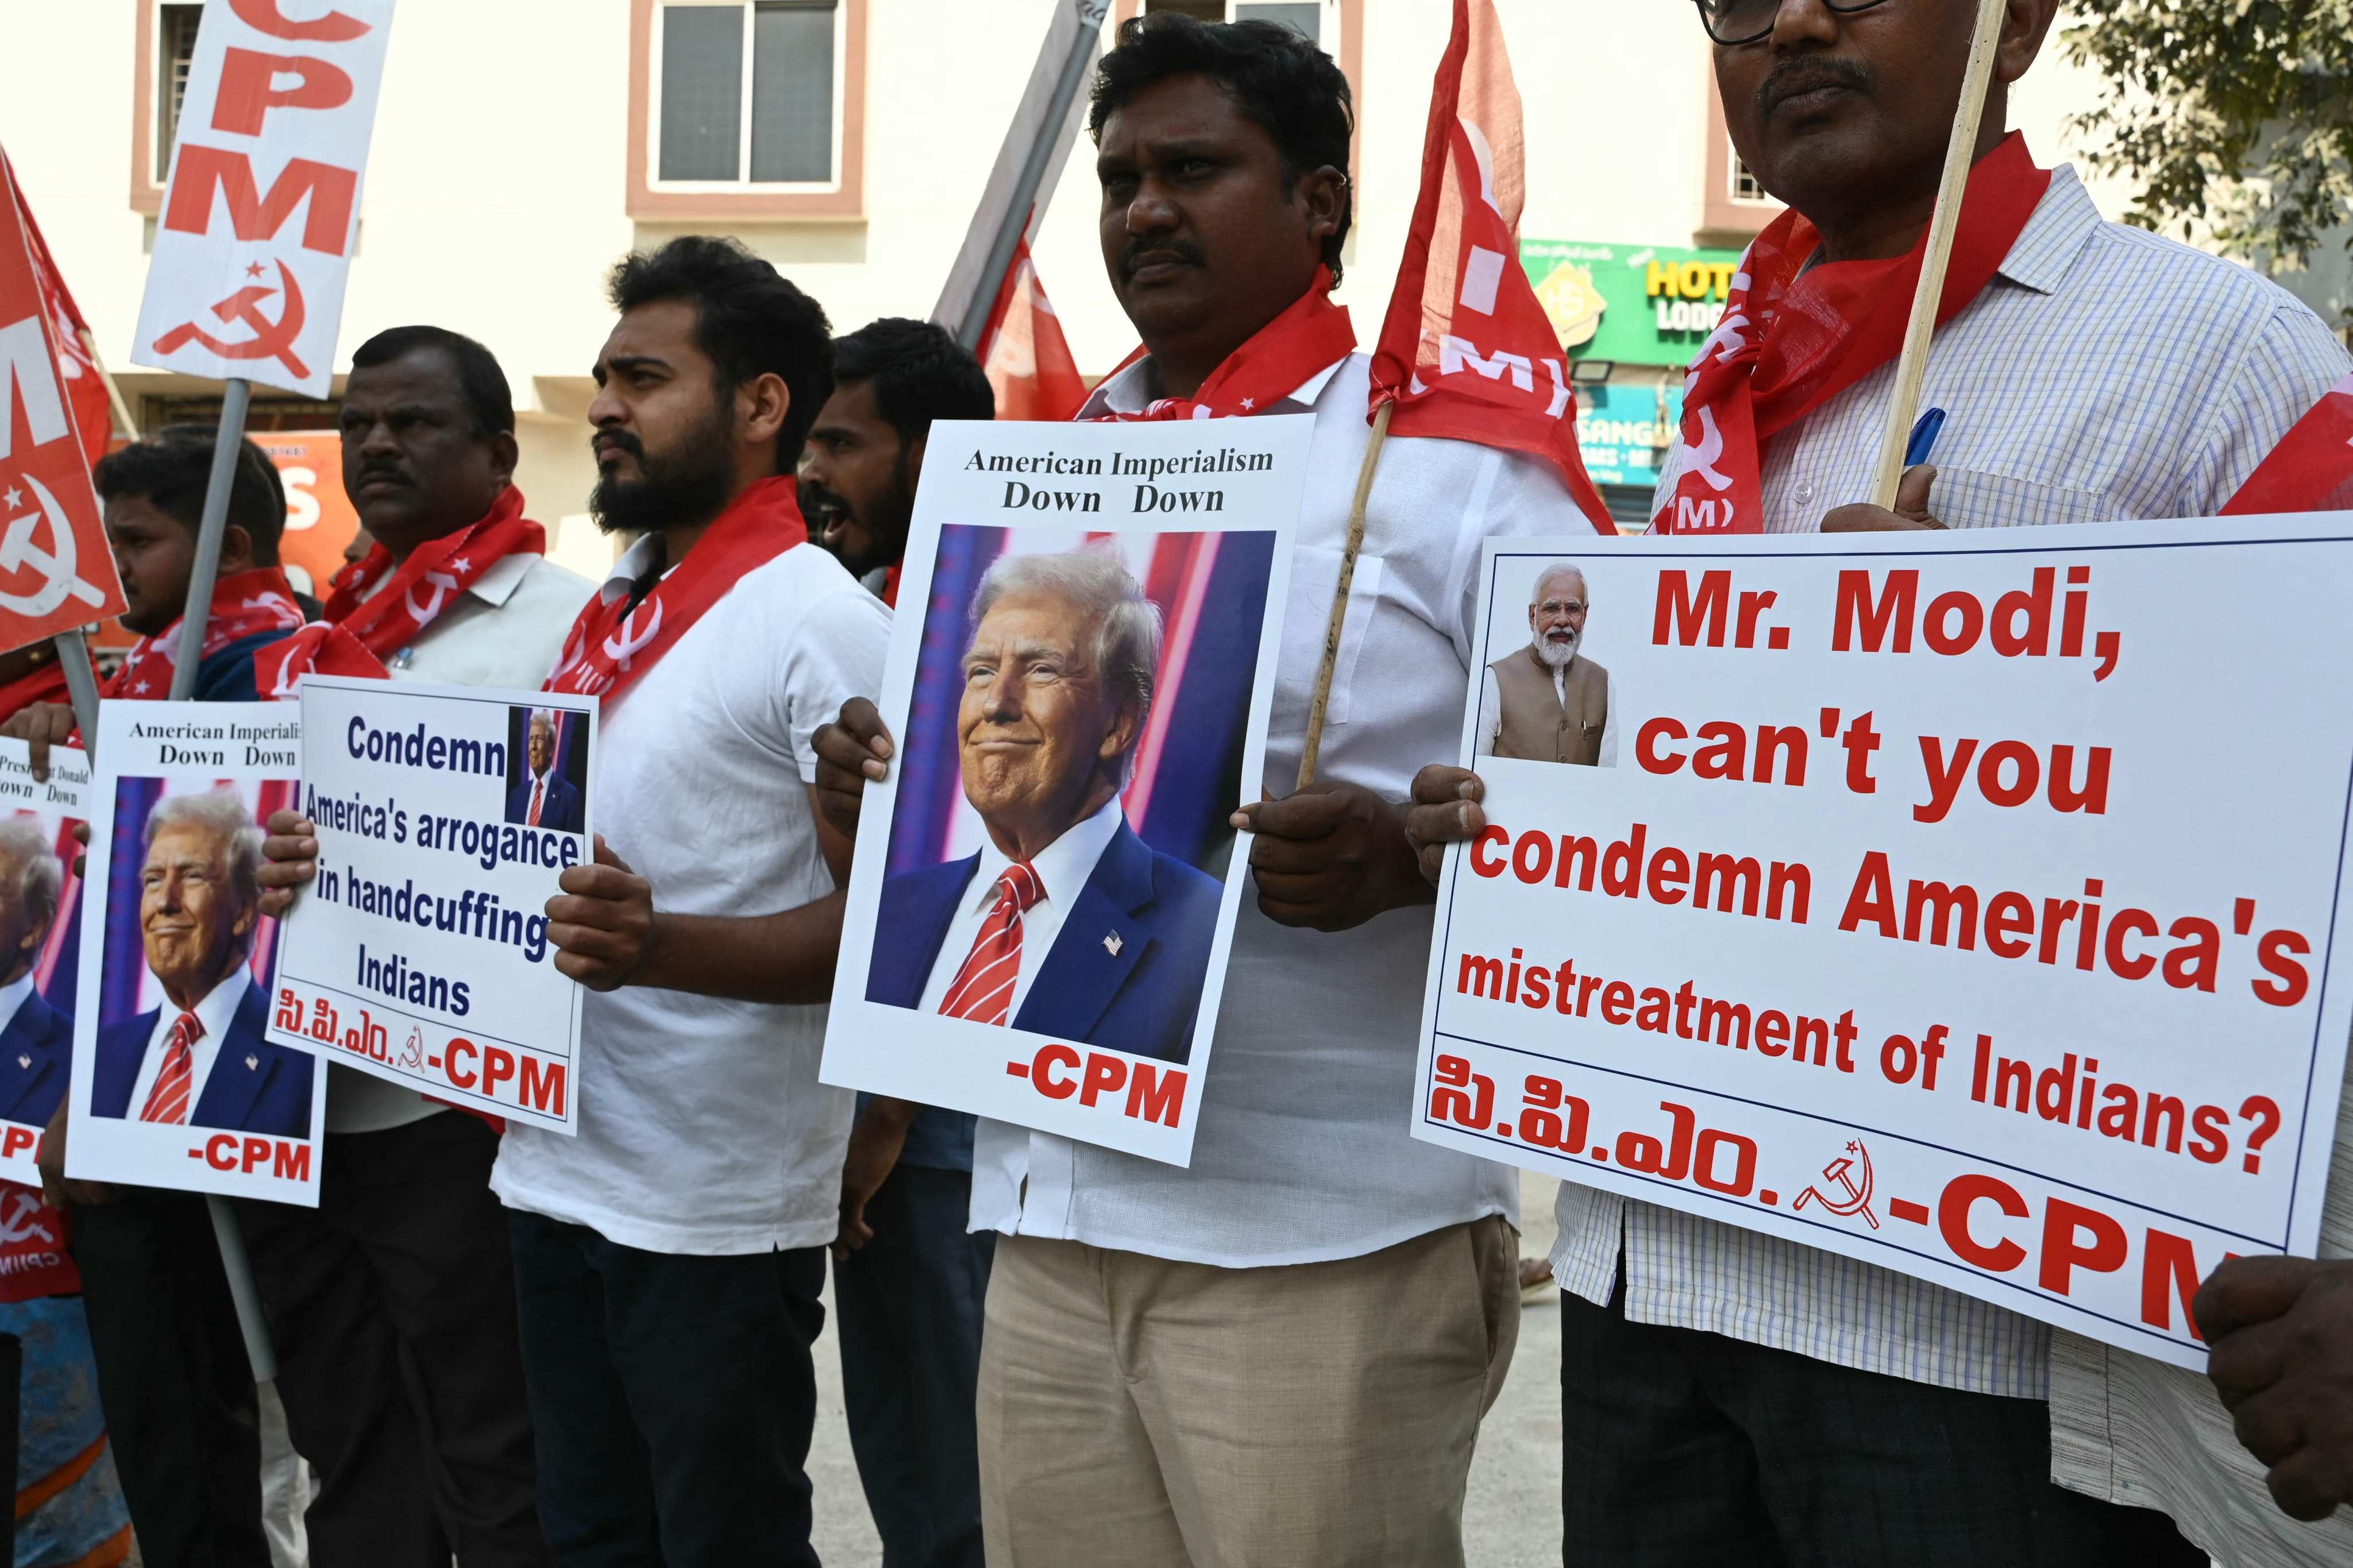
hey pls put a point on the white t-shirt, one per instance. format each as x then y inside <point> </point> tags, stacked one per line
<point>1302,1152</point>
<point>507,631</point>
<point>1062,868</point>
<point>704,1128</point>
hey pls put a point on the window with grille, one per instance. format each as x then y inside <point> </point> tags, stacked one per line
<point>1304,18</point>
<point>748,92</point>
<point>1744,187</point>
<point>175,46</point>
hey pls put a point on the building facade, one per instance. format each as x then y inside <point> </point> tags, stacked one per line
<point>522,145</point>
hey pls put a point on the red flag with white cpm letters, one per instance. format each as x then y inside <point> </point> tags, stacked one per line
<point>1466,352</point>
<point>93,413</point>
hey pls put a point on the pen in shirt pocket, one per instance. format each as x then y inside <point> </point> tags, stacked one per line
<point>1924,437</point>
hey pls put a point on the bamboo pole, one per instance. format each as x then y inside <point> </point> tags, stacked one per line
<point>1314,742</point>
<point>1904,406</point>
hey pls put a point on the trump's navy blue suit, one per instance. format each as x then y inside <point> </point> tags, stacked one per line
<point>1136,992</point>
<point>254,1087</point>
<point>560,811</point>
<point>36,1059</point>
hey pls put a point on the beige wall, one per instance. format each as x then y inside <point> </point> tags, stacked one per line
<point>495,200</point>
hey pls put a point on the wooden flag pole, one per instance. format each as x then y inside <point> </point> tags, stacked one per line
<point>1959,154</point>
<point>1314,742</point>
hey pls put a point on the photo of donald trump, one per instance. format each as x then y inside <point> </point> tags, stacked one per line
<point>200,1060</point>
<point>544,798</point>
<point>1065,923</point>
<point>35,1039</point>
<point>1547,702</point>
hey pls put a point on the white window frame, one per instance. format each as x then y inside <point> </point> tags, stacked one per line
<point>745,184</point>
<point>158,136</point>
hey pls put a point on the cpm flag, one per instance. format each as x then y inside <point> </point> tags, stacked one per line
<point>1466,352</point>
<point>85,383</point>
<point>56,572</point>
<point>2312,468</point>
<point>255,238</point>
<point>1026,358</point>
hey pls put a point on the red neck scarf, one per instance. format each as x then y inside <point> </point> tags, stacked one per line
<point>260,600</point>
<point>44,684</point>
<point>355,636</point>
<point>612,645</point>
<point>1792,337</point>
<point>2312,468</point>
<point>1277,359</point>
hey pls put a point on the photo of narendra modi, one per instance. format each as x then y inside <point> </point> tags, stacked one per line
<point>1544,697</point>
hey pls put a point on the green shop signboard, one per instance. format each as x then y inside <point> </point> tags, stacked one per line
<point>1622,429</point>
<point>1635,304</point>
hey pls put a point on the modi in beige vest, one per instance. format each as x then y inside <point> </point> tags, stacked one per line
<point>1536,725</point>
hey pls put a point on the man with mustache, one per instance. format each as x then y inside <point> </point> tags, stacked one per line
<point>392,1303</point>
<point>1280,1353</point>
<point>908,1277</point>
<point>1730,1396</point>
<point>1547,702</point>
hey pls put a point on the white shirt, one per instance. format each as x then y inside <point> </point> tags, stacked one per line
<point>215,1013</point>
<point>704,1128</point>
<point>1491,711</point>
<point>1302,1153</point>
<point>2104,372</point>
<point>1062,868</point>
<point>507,631</point>
<point>11,997</point>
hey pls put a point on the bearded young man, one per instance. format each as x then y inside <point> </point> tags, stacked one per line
<point>1280,1353</point>
<point>1731,1397</point>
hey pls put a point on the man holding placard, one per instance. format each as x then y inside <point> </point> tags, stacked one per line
<point>392,1301</point>
<point>1730,1394</point>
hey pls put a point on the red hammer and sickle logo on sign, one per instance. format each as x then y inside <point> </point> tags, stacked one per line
<point>270,340</point>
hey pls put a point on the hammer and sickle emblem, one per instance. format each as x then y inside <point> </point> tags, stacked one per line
<point>270,340</point>
<point>442,585</point>
<point>18,553</point>
<point>1853,1190</point>
<point>628,640</point>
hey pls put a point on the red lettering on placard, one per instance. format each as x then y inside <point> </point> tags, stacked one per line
<point>1953,1219</point>
<point>264,17</point>
<point>252,215</point>
<point>541,1085</point>
<point>1048,1058</point>
<point>249,89</point>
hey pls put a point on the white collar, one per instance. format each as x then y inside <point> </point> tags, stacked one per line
<point>12,996</point>
<point>219,1005</point>
<point>1130,391</point>
<point>1062,867</point>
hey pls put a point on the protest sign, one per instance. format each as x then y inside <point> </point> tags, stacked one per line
<point>420,952</point>
<point>1079,682</point>
<point>255,238</point>
<point>56,572</point>
<point>39,898</point>
<point>173,1083</point>
<point>1961,902</point>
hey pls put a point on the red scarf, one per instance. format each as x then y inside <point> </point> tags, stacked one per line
<point>611,644</point>
<point>1794,338</point>
<point>355,636</point>
<point>260,600</point>
<point>45,684</point>
<point>1277,361</point>
<point>2312,468</point>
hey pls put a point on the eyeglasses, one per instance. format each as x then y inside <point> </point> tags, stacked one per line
<point>1746,21</point>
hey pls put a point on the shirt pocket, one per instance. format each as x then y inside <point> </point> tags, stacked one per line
<point>1971,498</point>
<point>1314,577</point>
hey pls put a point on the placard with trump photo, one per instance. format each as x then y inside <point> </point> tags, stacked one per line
<point>39,898</point>
<point>1079,685</point>
<point>174,1084</point>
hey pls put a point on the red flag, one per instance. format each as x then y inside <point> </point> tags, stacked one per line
<point>1466,353</point>
<point>1027,360</point>
<point>2312,468</point>
<point>77,366</point>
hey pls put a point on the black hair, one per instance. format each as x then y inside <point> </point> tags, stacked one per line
<point>1283,84</point>
<point>479,380</point>
<point>919,373</point>
<point>748,319</point>
<point>168,468</point>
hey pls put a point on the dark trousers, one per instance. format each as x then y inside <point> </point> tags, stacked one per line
<point>173,1379</point>
<point>910,1303</point>
<point>673,1398</point>
<point>1683,1448</point>
<point>392,1308</point>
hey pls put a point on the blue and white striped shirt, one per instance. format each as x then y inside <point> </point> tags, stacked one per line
<point>2104,372</point>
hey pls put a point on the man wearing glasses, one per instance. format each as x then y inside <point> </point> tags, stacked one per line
<point>1547,702</point>
<point>1734,1398</point>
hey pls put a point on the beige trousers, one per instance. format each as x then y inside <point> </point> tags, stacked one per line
<point>1155,1414</point>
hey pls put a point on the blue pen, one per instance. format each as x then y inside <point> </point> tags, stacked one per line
<point>1924,437</point>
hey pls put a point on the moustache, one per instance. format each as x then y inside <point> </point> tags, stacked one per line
<point>616,440</point>
<point>1807,73</point>
<point>382,471</point>
<point>1131,257</point>
<point>819,504</point>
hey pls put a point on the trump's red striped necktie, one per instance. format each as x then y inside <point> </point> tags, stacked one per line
<point>537,790</point>
<point>168,1101</point>
<point>983,990</point>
